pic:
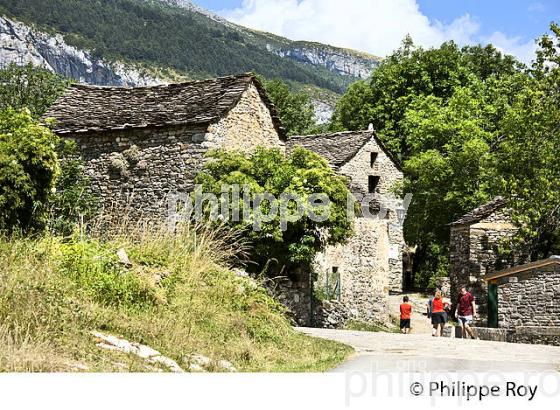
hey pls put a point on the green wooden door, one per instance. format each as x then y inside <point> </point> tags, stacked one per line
<point>492,305</point>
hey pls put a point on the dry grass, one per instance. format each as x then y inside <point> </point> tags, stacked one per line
<point>178,297</point>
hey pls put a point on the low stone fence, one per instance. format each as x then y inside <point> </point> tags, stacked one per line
<point>489,333</point>
<point>546,335</point>
<point>330,314</point>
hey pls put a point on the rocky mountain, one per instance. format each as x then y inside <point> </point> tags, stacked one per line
<point>339,60</point>
<point>21,44</point>
<point>141,42</point>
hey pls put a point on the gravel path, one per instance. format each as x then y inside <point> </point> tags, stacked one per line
<point>419,353</point>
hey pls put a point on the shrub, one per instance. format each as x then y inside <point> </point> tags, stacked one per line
<point>72,202</point>
<point>28,170</point>
<point>302,174</point>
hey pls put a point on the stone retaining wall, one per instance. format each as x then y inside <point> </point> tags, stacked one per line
<point>545,335</point>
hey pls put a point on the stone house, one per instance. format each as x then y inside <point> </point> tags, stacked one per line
<point>475,241</point>
<point>142,144</point>
<point>361,272</point>
<point>523,300</point>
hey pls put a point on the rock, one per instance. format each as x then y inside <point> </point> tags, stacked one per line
<point>123,258</point>
<point>195,368</point>
<point>227,366</point>
<point>114,343</point>
<point>199,360</point>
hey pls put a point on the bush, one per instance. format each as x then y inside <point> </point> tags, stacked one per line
<point>302,174</point>
<point>72,203</point>
<point>28,170</point>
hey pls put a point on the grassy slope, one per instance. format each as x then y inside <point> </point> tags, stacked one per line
<point>53,293</point>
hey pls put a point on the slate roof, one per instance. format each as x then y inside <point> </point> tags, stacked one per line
<point>86,108</point>
<point>337,148</point>
<point>478,214</point>
<point>553,260</point>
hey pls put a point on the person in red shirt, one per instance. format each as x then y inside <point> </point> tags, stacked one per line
<point>406,310</point>
<point>439,317</point>
<point>466,310</point>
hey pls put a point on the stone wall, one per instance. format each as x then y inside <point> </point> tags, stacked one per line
<point>474,253</point>
<point>358,169</point>
<point>545,335</point>
<point>363,265</point>
<point>136,169</point>
<point>444,284</point>
<point>295,294</point>
<point>530,298</point>
<point>247,126</point>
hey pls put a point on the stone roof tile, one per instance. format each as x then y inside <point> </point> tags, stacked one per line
<point>84,108</point>
<point>337,148</point>
<point>478,214</point>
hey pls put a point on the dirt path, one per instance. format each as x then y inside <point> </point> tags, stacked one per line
<point>419,353</point>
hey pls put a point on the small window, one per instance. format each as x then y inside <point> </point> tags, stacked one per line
<point>335,269</point>
<point>373,158</point>
<point>373,181</point>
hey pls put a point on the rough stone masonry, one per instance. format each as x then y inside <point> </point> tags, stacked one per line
<point>475,241</point>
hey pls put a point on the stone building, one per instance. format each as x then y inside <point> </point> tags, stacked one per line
<point>142,144</point>
<point>361,272</point>
<point>524,301</point>
<point>475,242</point>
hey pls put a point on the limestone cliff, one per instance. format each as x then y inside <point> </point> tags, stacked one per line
<point>21,44</point>
<point>341,61</point>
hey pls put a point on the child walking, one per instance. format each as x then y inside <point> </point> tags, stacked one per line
<point>406,310</point>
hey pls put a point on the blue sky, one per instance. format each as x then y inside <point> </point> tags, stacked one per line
<point>377,26</point>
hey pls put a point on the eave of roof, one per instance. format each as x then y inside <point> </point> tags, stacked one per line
<point>553,260</point>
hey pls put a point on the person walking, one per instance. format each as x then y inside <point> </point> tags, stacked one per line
<point>466,311</point>
<point>438,315</point>
<point>406,310</point>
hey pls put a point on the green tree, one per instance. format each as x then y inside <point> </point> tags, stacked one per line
<point>28,170</point>
<point>527,159</point>
<point>294,108</point>
<point>302,174</point>
<point>412,72</point>
<point>29,87</point>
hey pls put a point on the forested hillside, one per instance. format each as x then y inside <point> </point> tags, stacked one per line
<point>168,36</point>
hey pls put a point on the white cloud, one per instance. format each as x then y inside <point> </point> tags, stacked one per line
<point>375,26</point>
<point>523,50</point>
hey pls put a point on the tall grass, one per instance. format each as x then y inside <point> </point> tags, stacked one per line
<point>177,295</point>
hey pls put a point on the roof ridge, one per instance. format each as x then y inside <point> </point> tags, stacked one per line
<point>333,134</point>
<point>481,211</point>
<point>168,85</point>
